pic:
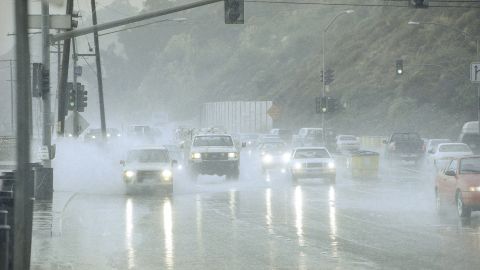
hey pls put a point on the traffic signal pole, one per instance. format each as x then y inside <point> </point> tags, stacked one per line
<point>62,81</point>
<point>103,125</point>
<point>129,20</point>
<point>47,132</point>
<point>22,217</point>
<point>75,89</point>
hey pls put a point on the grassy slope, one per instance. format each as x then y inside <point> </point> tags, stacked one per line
<point>277,55</point>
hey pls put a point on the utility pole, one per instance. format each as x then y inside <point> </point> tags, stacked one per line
<point>47,132</point>
<point>12,98</point>
<point>62,81</point>
<point>99,73</point>
<point>22,217</point>
<point>75,110</point>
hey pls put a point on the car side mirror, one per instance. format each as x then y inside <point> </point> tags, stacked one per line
<point>450,173</point>
<point>431,151</point>
<point>174,162</point>
<point>384,141</point>
<point>122,162</point>
<point>244,144</point>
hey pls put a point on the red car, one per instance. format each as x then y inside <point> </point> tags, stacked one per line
<point>459,183</point>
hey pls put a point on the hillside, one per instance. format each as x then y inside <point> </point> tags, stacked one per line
<point>276,55</point>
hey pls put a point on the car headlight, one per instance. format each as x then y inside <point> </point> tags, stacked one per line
<point>297,165</point>
<point>166,174</point>
<point>474,188</point>
<point>232,155</point>
<point>119,135</point>
<point>93,137</point>
<point>129,174</point>
<point>196,155</point>
<point>108,135</point>
<point>331,165</point>
<point>267,158</point>
<point>70,135</point>
<point>286,157</point>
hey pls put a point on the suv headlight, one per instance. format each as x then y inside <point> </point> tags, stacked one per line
<point>297,165</point>
<point>167,174</point>
<point>267,158</point>
<point>196,156</point>
<point>129,174</point>
<point>286,157</point>
<point>232,155</point>
<point>331,165</point>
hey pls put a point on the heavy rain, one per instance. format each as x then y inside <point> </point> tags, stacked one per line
<point>239,134</point>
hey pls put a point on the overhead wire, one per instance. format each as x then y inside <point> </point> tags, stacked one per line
<point>357,4</point>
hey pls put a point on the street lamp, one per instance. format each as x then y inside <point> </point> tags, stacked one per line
<point>465,34</point>
<point>324,33</point>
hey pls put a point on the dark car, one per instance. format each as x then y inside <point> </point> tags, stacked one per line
<point>472,140</point>
<point>407,146</point>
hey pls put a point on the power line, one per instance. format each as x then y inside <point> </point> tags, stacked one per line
<point>136,26</point>
<point>356,4</point>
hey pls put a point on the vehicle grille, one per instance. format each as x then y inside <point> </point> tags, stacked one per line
<point>315,165</point>
<point>147,174</point>
<point>214,156</point>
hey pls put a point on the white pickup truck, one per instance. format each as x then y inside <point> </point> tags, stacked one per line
<point>214,154</point>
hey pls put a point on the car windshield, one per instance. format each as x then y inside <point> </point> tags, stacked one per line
<point>348,138</point>
<point>470,165</point>
<point>213,141</point>
<point>454,148</point>
<point>311,153</point>
<point>148,156</point>
<point>273,146</point>
<point>314,132</point>
<point>405,137</point>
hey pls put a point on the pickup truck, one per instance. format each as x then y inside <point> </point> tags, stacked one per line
<point>214,154</point>
<point>407,146</point>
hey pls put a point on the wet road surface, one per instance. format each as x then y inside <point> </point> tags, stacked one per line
<point>261,222</point>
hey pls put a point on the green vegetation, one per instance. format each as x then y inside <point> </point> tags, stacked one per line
<point>276,55</point>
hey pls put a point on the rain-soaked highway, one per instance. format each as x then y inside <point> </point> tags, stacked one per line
<point>257,222</point>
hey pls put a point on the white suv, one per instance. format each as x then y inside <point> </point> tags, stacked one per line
<point>214,154</point>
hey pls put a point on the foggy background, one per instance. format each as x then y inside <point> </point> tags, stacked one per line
<point>175,66</point>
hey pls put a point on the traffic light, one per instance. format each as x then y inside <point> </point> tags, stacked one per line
<point>399,65</point>
<point>321,104</point>
<point>321,76</point>
<point>37,79</point>
<point>418,3</point>
<point>332,105</point>
<point>233,11</point>
<point>81,98</point>
<point>72,97</point>
<point>329,76</point>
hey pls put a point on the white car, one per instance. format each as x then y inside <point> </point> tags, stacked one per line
<point>312,162</point>
<point>347,143</point>
<point>148,166</point>
<point>431,145</point>
<point>446,151</point>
